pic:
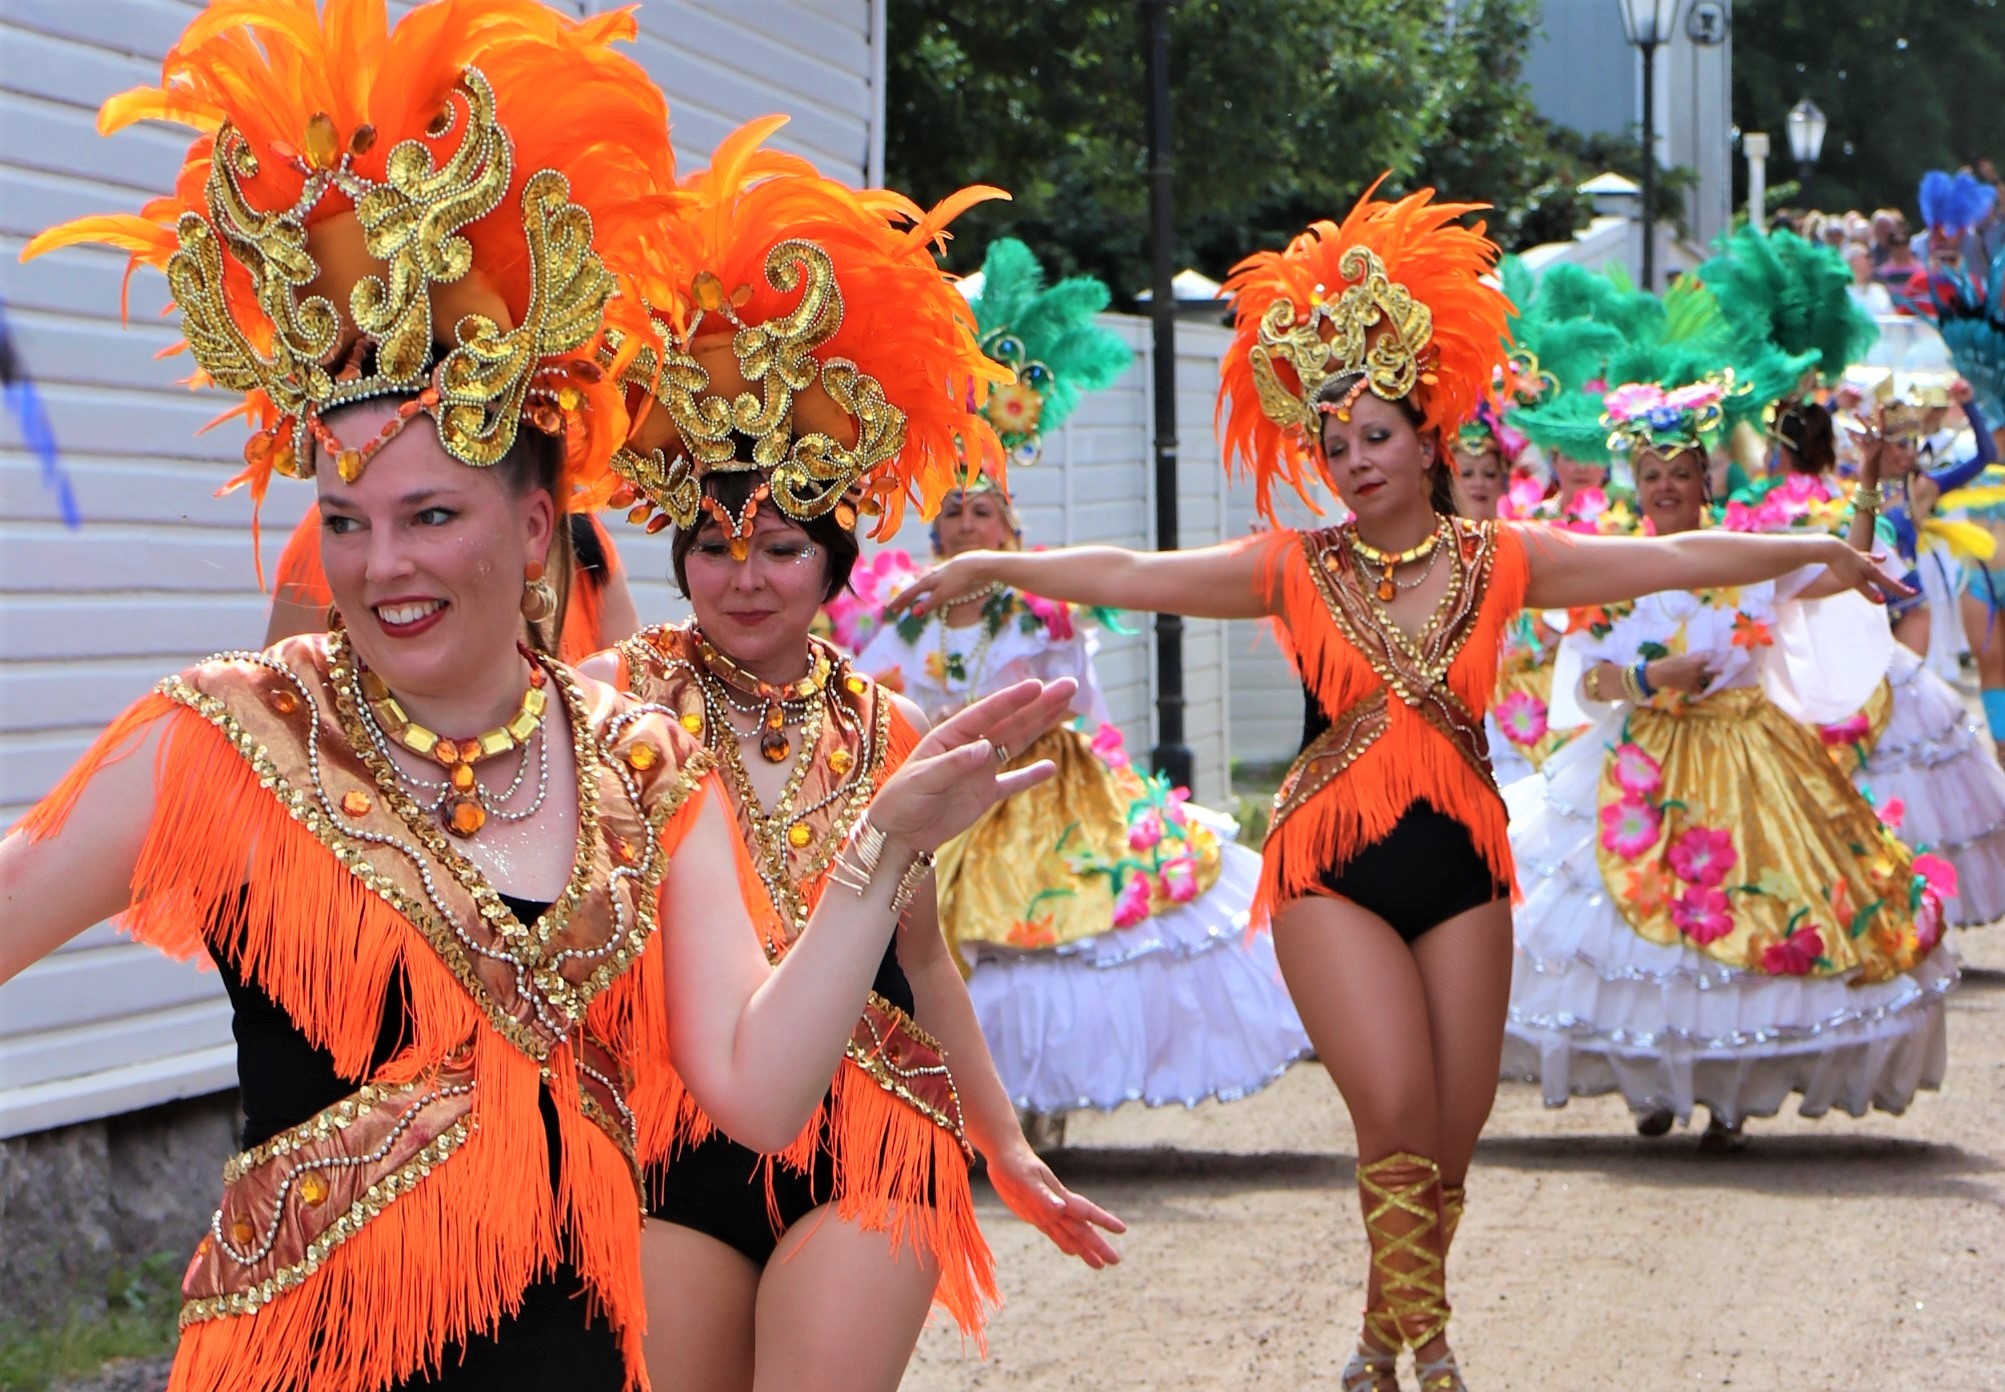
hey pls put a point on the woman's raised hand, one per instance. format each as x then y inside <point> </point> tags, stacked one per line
<point>958,771</point>
<point>949,580</point>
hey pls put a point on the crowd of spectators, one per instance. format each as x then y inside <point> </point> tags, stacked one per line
<point>1891,260</point>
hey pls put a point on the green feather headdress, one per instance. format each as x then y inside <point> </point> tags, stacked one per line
<point>1777,288</point>
<point>1681,379</point>
<point>1046,334</point>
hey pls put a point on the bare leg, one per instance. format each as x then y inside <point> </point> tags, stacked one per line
<point>839,1310</point>
<point>701,1294</point>
<point>1465,970</point>
<point>1358,989</point>
<point>1912,631</point>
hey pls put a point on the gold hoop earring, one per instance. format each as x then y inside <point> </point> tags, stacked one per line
<point>539,596</point>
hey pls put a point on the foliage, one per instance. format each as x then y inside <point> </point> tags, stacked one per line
<point>1283,111</point>
<point>1907,85</point>
<point>142,1309</point>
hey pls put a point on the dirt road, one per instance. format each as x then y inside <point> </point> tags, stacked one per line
<point>1826,1257</point>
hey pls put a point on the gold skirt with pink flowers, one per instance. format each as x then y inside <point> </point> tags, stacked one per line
<point>1724,825</point>
<point>1090,850</point>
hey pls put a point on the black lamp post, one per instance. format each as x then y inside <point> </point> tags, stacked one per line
<point>1806,141</point>
<point>1171,755</point>
<point>1647,24</point>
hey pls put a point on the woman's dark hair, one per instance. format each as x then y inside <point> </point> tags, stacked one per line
<point>734,489</point>
<point>1440,480</point>
<point>1805,431</point>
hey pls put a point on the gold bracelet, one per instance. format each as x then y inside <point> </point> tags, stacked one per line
<point>1630,686</point>
<point>909,882</point>
<point>855,862</point>
<point>1868,499</point>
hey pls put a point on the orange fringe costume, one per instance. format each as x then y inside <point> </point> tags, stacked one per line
<point>1393,298</point>
<point>1391,294</point>
<point>301,581</point>
<point>824,357</point>
<point>447,212</point>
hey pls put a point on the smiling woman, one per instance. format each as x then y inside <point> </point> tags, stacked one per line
<point>464,901</point>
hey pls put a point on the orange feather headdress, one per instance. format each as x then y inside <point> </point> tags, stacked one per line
<point>809,335</point>
<point>451,209</point>
<point>1394,294</point>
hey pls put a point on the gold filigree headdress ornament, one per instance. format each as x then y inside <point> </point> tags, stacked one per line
<point>1394,295</point>
<point>369,211</point>
<point>806,334</point>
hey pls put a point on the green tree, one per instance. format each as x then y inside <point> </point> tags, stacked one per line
<point>1284,111</point>
<point>1908,86</point>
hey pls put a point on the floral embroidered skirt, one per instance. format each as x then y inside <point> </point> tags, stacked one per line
<point>1932,771</point>
<point>1103,920</point>
<point>1714,915</point>
<point>1521,735</point>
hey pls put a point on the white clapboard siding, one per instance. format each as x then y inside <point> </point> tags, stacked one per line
<point>161,572</point>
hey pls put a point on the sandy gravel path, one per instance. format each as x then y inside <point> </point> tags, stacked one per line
<point>1828,1256</point>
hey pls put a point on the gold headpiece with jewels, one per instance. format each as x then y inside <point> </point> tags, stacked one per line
<point>380,211</point>
<point>1394,295</point>
<point>812,339</point>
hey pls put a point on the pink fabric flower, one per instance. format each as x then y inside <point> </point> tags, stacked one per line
<point>1892,813</point>
<point>1635,771</point>
<point>1848,731</point>
<point>1522,717</point>
<point>1179,878</point>
<point>1108,746</point>
<point>1173,806</point>
<point>1131,905</point>
<point>1694,397</point>
<point>1522,498</point>
<point>1145,831</point>
<point>1928,923</point>
<point>1629,828</point>
<point>1055,615</point>
<point>1631,401</point>
<point>1795,955</point>
<point>1703,914</point>
<point>1703,855</point>
<point>1938,874</point>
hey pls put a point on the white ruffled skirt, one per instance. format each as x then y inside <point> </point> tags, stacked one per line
<point>1597,1008</point>
<point>1180,1007</point>
<point>1936,760</point>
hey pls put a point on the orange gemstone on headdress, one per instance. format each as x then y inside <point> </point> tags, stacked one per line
<point>638,513</point>
<point>622,497</point>
<point>741,297</point>
<point>708,291</point>
<point>845,517</point>
<point>363,140</point>
<point>355,803</point>
<point>467,817</point>
<point>258,448</point>
<point>323,145</point>
<point>285,462</point>
<point>547,420</point>
<point>569,398</point>
<point>655,524</point>
<point>349,465</point>
<point>740,548</point>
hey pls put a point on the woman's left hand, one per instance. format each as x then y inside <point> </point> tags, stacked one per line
<point>1034,1194</point>
<point>1860,570</point>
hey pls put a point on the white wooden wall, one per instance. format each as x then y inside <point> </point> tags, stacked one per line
<point>160,574</point>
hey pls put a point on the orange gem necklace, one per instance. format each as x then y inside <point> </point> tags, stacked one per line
<point>1389,561</point>
<point>461,810</point>
<point>774,745</point>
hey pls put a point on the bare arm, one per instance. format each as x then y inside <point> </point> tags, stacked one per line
<point>53,889</point>
<point>757,1045</point>
<point>1569,570</point>
<point>1021,1179</point>
<point>1213,582</point>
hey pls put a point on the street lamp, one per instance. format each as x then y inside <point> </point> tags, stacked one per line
<point>1646,24</point>
<point>1806,139</point>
